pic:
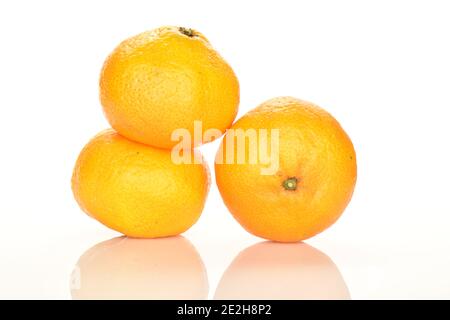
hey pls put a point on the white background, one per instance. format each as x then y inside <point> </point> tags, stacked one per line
<point>382,68</point>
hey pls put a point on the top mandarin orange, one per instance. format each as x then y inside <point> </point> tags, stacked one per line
<point>165,79</point>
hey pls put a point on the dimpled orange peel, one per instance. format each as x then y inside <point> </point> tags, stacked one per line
<point>165,79</point>
<point>136,189</point>
<point>311,186</point>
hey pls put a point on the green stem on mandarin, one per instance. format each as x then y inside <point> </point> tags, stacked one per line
<point>187,31</point>
<point>290,184</point>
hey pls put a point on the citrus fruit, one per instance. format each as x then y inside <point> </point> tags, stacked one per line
<point>125,268</point>
<point>269,270</point>
<point>163,80</point>
<point>136,189</point>
<point>313,176</point>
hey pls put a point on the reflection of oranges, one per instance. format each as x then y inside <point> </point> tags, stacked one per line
<point>282,271</point>
<point>163,80</point>
<point>314,181</point>
<point>136,189</point>
<point>124,268</point>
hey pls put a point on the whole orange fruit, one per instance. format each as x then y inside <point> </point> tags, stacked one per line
<point>125,268</point>
<point>163,80</point>
<point>312,177</point>
<point>136,189</point>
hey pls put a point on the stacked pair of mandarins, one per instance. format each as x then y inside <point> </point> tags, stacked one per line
<point>170,78</point>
